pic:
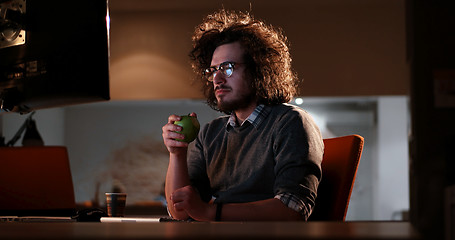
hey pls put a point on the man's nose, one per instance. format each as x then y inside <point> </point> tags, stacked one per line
<point>218,77</point>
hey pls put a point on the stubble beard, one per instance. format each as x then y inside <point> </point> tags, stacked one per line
<point>241,102</point>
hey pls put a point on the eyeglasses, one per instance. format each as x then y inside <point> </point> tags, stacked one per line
<point>225,68</point>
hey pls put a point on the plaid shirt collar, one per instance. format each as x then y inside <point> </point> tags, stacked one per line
<point>255,118</point>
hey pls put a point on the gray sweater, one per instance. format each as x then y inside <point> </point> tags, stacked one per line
<point>283,154</point>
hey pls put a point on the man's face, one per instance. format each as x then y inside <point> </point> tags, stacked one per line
<point>233,92</point>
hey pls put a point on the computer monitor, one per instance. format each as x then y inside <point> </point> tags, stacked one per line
<point>53,53</point>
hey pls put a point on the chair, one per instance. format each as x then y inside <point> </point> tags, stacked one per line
<point>339,168</point>
<point>36,181</point>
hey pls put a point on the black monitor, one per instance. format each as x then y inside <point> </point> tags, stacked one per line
<point>53,53</point>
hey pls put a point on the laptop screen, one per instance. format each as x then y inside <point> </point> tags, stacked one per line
<point>36,181</point>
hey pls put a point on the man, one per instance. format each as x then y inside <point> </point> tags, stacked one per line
<point>263,160</point>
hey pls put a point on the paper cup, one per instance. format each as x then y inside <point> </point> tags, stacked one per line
<point>115,203</point>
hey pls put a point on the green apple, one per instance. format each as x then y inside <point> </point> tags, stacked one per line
<point>190,127</point>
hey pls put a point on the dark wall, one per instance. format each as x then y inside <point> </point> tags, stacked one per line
<point>339,48</point>
<point>431,26</point>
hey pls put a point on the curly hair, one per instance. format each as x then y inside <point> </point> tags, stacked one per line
<point>266,55</point>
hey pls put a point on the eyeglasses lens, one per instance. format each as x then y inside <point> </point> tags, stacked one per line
<point>226,69</point>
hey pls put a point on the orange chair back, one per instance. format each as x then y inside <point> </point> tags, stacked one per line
<point>339,168</point>
<point>36,181</point>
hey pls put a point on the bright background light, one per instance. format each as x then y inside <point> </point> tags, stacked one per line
<point>298,101</point>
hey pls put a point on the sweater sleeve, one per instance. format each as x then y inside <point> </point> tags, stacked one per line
<point>298,149</point>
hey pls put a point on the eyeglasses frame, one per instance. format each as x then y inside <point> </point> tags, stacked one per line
<point>217,69</point>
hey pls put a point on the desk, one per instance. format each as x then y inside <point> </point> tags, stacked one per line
<point>214,230</point>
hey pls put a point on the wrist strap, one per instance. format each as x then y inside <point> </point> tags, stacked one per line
<point>219,206</point>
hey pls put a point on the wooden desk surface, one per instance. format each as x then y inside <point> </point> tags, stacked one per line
<point>214,230</point>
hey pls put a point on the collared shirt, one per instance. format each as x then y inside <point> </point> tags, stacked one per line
<point>256,118</point>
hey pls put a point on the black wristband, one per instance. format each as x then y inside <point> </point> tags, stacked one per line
<point>219,206</point>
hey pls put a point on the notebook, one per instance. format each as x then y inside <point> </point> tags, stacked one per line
<point>36,181</point>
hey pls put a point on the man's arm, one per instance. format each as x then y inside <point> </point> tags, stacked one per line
<point>187,199</point>
<point>176,177</point>
<point>177,173</point>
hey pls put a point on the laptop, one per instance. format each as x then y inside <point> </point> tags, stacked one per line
<point>36,183</point>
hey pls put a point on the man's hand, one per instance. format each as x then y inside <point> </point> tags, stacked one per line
<point>187,199</point>
<point>169,135</point>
